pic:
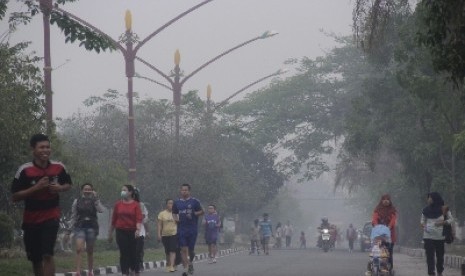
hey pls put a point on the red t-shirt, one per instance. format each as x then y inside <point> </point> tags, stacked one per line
<point>126,215</point>
<point>42,205</point>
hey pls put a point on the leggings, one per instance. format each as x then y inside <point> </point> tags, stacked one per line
<point>126,241</point>
<point>434,247</point>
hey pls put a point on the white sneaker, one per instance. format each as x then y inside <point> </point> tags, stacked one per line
<point>214,260</point>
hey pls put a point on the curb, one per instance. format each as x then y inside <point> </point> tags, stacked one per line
<point>149,265</point>
<point>451,261</point>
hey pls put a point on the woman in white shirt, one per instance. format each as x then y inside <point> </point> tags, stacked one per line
<point>144,231</point>
<point>432,222</point>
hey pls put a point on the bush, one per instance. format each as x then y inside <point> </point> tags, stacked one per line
<point>6,231</point>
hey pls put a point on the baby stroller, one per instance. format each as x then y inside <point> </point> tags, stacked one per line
<point>379,264</point>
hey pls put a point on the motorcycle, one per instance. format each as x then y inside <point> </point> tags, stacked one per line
<point>325,239</point>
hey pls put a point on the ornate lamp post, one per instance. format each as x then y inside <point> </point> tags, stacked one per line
<point>129,53</point>
<point>176,81</point>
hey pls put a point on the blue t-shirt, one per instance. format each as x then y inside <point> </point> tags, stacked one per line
<point>185,208</point>
<point>211,224</point>
<point>266,228</point>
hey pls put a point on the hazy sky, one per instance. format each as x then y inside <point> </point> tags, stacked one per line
<point>200,36</point>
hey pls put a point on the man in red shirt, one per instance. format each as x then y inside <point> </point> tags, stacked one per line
<point>38,184</point>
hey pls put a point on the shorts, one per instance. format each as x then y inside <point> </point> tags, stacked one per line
<point>39,239</point>
<point>170,243</point>
<point>87,234</point>
<point>265,240</point>
<point>187,239</point>
<point>211,238</point>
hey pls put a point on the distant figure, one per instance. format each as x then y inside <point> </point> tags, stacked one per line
<point>85,226</point>
<point>351,235</point>
<point>38,183</point>
<point>212,226</point>
<point>266,231</point>
<point>254,237</point>
<point>278,235</point>
<point>288,232</point>
<point>303,240</point>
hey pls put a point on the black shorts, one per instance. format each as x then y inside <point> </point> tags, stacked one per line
<point>170,243</point>
<point>39,239</point>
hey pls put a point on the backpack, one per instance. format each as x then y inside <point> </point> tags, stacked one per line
<point>86,213</point>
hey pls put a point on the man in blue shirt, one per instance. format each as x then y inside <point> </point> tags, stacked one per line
<point>186,211</point>
<point>266,231</point>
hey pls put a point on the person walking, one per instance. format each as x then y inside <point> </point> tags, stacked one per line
<point>212,225</point>
<point>266,231</point>
<point>144,230</point>
<point>385,213</point>
<point>38,184</point>
<point>432,223</point>
<point>303,240</point>
<point>127,220</point>
<point>186,211</point>
<point>288,231</point>
<point>278,235</point>
<point>84,224</point>
<point>254,237</point>
<point>167,230</point>
<point>351,235</point>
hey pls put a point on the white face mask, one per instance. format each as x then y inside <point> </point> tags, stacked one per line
<point>124,194</point>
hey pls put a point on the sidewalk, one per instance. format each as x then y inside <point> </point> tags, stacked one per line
<point>411,262</point>
<point>110,270</point>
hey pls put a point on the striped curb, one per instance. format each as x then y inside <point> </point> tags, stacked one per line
<point>149,265</point>
<point>452,261</point>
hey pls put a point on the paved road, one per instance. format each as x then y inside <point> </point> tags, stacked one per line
<point>302,262</point>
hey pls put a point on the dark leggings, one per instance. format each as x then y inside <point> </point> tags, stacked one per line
<point>140,252</point>
<point>126,241</point>
<point>433,247</point>
<point>390,247</point>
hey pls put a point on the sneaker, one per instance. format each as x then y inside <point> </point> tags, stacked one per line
<point>168,269</point>
<point>210,260</point>
<point>214,260</point>
<point>191,269</point>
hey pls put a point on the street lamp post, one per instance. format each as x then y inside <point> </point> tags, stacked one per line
<point>176,81</point>
<point>46,6</point>
<point>129,53</point>
<point>225,101</point>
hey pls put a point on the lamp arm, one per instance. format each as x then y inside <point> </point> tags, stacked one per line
<point>150,36</point>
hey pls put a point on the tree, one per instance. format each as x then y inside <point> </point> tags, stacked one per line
<point>222,165</point>
<point>21,112</point>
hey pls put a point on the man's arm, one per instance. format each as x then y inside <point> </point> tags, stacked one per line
<point>43,183</point>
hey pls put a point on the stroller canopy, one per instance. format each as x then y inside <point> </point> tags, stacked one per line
<point>381,231</point>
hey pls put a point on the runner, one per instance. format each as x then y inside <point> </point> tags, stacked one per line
<point>38,184</point>
<point>186,211</point>
<point>266,231</point>
<point>212,225</point>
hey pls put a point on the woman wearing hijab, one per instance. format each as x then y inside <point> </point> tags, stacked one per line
<point>385,213</point>
<point>432,222</point>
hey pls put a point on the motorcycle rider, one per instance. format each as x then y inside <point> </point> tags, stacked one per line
<point>324,225</point>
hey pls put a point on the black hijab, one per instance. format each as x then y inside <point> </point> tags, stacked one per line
<point>434,210</point>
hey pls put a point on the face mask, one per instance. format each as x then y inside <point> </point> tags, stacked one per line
<point>124,194</point>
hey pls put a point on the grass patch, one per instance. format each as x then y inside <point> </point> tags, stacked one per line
<point>104,255</point>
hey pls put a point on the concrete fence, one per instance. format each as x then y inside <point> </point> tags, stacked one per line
<point>452,261</point>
